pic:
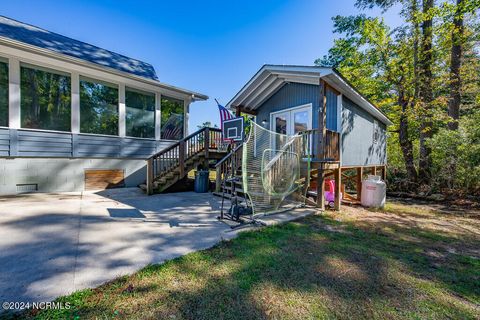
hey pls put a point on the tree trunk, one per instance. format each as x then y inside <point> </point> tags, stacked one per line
<point>405,142</point>
<point>455,86</point>
<point>416,35</point>
<point>426,94</point>
<point>455,65</point>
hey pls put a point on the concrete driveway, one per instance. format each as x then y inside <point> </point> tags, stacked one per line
<point>52,245</point>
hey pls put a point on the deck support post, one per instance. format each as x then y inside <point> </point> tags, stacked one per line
<point>384,173</point>
<point>150,176</point>
<point>321,188</point>
<point>338,187</point>
<point>359,183</point>
<point>322,120</point>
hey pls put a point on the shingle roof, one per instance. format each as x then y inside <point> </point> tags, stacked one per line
<point>45,39</point>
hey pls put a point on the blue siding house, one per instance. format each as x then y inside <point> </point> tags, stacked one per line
<point>348,131</point>
<point>74,116</point>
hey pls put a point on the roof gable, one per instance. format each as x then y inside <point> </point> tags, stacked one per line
<point>270,78</point>
<point>25,33</point>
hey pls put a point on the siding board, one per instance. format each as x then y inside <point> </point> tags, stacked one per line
<point>288,96</point>
<point>332,114</point>
<point>358,147</point>
<point>4,142</point>
<point>31,143</point>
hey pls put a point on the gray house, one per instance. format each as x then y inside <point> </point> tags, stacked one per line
<point>348,132</point>
<point>74,116</point>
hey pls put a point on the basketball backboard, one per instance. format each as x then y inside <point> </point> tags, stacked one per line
<point>233,129</point>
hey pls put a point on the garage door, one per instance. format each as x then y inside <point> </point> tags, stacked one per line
<point>98,179</point>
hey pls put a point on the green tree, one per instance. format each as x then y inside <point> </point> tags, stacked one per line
<point>416,73</point>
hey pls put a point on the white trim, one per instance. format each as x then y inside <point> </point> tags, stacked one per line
<point>14,93</point>
<point>362,102</point>
<point>75,102</point>
<point>340,124</point>
<point>49,54</point>
<point>86,134</point>
<point>17,55</point>
<point>122,125</point>
<point>290,120</point>
<point>309,74</point>
<point>271,77</point>
<point>339,112</point>
<point>45,130</point>
<point>186,106</point>
<point>158,115</point>
<point>89,71</point>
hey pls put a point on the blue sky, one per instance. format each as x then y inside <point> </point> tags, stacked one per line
<point>212,47</point>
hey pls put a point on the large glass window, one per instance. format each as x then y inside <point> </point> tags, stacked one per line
<point>44,99</point>
<point>3,93</point>
<point>172,118</point>
<point>140,113</point>
<point>98,107</point>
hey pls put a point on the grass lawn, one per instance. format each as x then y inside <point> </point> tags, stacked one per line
<point>413,262</point>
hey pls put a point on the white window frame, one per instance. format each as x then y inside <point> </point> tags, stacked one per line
<point>16,56</point>
<point>290,119</point>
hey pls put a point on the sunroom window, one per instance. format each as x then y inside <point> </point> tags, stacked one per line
<point>44,98</point>
<point>3,93</point>
<point>140,113</point>
<point>172,118</point>
<point>98,107</point>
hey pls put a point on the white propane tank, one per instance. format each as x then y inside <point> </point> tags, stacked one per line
<point>374,192</point>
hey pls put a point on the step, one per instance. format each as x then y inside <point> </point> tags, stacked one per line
<point>237,189</point>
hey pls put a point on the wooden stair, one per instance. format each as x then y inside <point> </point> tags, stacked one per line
<point>169,166</point>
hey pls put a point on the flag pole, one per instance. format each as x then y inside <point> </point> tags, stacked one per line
<point>216,101</point>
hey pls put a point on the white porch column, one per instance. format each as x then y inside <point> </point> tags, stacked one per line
<point>122,129</point>
<point>75,83</point>
<point>14,93</point>
<point>186,110</point>
<point>158,115</point>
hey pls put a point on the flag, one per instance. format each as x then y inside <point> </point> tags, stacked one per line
<point>224,114</point>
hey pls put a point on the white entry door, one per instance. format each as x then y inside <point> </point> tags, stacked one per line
<point>292,121</point>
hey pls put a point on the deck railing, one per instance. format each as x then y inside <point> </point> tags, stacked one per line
<point>330,151</point>
<point>175,156</point>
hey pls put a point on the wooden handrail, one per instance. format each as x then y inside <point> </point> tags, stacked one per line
<point>228,156</point>
<point>196,133</point>
<point>174,156</point>
<point>225,166</point>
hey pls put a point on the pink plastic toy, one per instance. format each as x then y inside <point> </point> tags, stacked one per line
<point>330,194</point>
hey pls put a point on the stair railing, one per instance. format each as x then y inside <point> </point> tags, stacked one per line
<point>225,167</point>
<point>175,156</point>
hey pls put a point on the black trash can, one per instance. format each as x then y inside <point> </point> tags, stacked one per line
<point>201,181</point>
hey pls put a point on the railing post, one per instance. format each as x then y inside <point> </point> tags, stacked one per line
<point>150,176</point>
<point>207,142</point>
<point>181,158</point>
<point>218,178</point>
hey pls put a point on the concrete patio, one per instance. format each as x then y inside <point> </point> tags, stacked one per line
<point>54,244</point>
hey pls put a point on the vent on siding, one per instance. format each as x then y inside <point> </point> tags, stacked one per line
<point>23,188</point>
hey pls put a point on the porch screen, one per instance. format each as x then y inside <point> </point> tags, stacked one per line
<point>275,170</point>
